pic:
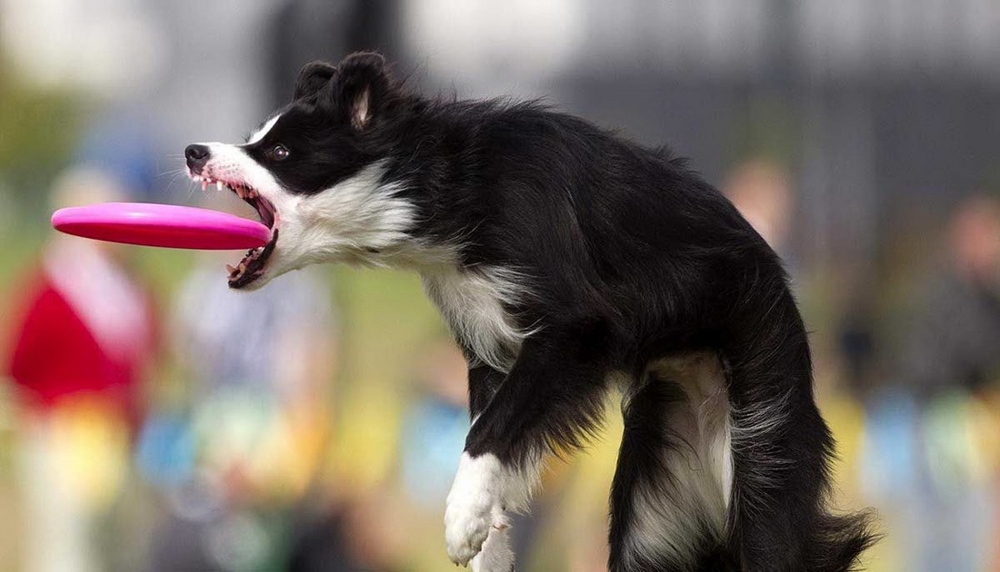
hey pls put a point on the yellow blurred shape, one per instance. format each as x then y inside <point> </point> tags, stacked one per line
<point>90,441</point>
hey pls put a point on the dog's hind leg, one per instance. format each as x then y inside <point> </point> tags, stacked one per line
<point>668,499</point>
<point>552,395</point>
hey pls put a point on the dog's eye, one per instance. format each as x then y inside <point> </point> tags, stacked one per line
<point>278,153</point>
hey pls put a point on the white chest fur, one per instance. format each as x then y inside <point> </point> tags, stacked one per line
<point>472,302</point>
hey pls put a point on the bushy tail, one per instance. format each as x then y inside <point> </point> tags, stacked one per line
<point>838,541</point>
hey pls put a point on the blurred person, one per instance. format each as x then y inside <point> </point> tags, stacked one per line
<point>259,366</point>
<point>954,333</point>
<point>84,334</point>
<point>435,425</point>
<point>760,189</point>
<point>931,451</point>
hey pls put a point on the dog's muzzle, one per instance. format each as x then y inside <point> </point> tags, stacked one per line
<point>197,156</point>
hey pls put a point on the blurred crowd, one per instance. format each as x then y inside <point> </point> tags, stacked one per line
<point>230,462</point>
<point>153,420</point>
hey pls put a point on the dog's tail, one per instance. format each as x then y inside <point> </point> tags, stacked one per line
<point>782,449</point>
<point>838,541</point>
<point>836,545</point>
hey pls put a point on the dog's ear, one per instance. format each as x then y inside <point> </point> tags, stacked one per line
<point>361,87</point>
<point>312,78</point>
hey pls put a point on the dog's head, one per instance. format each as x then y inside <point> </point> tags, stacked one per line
<point>314,172</point>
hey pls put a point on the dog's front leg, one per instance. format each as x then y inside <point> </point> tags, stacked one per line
<point>484,381</point>
<point>551,394</point>
<point>496,553</point>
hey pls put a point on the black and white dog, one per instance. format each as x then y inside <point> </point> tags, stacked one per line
<point>566,261</point>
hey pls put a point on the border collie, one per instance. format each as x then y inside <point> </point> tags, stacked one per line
<point>566,261</point>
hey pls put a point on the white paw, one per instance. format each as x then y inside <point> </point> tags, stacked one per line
<point>496,555</point>
<point>468,526</point>
<point>474,507</point>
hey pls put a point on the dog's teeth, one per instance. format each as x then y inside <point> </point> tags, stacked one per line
<point>218,185</point>
<point>204,184</point>
<point>230,268</point>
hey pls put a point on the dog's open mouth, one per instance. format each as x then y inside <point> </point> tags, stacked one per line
<point>252,265</point>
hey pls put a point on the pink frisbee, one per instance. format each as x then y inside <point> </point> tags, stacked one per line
<point>170,226</point>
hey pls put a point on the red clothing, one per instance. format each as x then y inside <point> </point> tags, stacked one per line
<point>57,354</point>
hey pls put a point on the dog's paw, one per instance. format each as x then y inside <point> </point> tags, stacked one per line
<point>496,555</point>
<point>474,508</point>
<point>467,525</point>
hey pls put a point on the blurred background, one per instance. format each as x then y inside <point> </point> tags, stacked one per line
<point>151,420</point>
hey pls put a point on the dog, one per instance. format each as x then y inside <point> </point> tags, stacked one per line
<point>566,261</point>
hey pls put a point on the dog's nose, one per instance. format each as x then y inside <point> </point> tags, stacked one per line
<point>197,156</point>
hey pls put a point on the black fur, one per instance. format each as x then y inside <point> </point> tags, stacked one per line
<point>629,256</point>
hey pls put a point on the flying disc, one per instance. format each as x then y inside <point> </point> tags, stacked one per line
<point>170,226</point>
